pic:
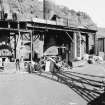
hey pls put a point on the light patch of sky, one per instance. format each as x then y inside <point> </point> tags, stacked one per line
<point>94,8</point>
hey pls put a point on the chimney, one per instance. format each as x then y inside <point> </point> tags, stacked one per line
<point>6,9</point>
<point>48,7</point>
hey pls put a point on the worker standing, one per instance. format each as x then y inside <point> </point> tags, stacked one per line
<point>17,65</point>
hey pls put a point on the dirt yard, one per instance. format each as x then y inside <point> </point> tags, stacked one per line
<point>30,89</point>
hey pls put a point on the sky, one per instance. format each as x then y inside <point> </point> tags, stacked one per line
<point>94,8</point>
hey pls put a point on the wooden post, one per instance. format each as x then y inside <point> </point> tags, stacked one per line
<point>87,43</point>
<point>15,46</point>
<point>31,46</point>
<point>67,53</point>
<point>104,44</point>
<point>95,44</point>
<point>18,40</point>
<point>75,45</point>
<point>80,43</point>
<point>78,36</point>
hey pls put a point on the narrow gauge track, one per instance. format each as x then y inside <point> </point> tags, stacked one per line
<point>90,87</point>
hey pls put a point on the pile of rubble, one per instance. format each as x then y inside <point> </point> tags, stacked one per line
<point>49,63</point>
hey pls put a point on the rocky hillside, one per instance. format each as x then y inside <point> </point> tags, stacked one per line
<point>34,8</point>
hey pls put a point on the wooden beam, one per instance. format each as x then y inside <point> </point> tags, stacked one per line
<point>15,30</point>
<point>70,37</point>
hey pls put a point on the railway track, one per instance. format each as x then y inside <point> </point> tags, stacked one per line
<point>90,87</point>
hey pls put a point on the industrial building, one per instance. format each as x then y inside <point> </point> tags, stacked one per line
<point>37,36</point>
<point>32,38</point>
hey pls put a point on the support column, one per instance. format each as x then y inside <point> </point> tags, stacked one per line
<point>31,46</point>
<point>75,45</point>
<point>95,44</point>
<point>18,43</point>
<point>87,43</point>
<point>67,53</point>
<point>80,44</point>
<point>15,43</point>
<point>104,44</point>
